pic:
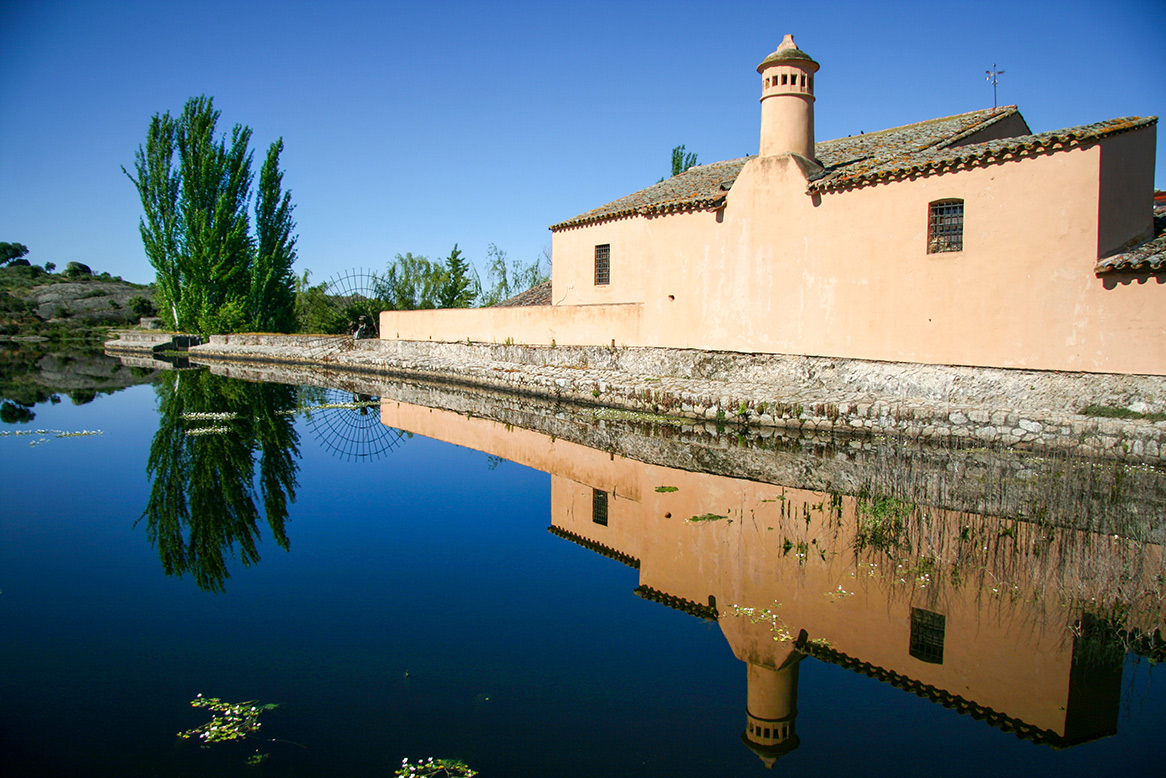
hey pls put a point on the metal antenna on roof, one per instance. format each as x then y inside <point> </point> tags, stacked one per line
<point>994,77</point>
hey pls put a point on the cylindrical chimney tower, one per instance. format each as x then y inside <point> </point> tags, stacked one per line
<point>772,711</point>
<point>787,101</point>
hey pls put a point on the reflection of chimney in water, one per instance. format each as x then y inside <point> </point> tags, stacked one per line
<point>772,710</point>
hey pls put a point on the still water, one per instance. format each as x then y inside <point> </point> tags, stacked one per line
<point>577,599</point>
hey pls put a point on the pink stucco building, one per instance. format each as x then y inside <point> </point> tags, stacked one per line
<point>963,240</point>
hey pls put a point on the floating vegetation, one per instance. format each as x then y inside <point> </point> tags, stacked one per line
<point>54,433</point>
<point>881,521</point>
<point>801,548</point>
<point>839,593</point>
<point>781,633</point>
<point>708,517</point>
<point>46,435</point>
<point>348,406</point>
<point>435,768</point>
<point>232,720</point>
<point>666,489</point>
<point>207,416</point>
<point>616,414</point>
<point>217,430</point>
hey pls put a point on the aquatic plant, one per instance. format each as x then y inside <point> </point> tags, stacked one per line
<point>880,522</point>
<point>435,768</point>
<point>781,633</point>
<point>616,414</point>
<point>217,430</point>
<point>232,720</point>
<point>350,406</point>
<point>49,433</point>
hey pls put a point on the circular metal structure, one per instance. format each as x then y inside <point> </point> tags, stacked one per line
<point>351,294</point>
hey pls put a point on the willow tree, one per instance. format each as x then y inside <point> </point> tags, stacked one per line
<point>195,188</point>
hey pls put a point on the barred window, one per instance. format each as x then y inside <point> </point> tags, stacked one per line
<point>603,264</point>
<point>927,635</point>
<point>945,226</point>
<point>599,507</point>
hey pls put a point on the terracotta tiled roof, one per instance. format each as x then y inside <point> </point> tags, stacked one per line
<point>1148,257</point>
<point>863,160</point>
<point>845,157</point>
<point>944,156</point>
<point>697,188</point>
<point>536,295</point>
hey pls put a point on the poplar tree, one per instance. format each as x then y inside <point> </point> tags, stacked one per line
<point>195,188</point>
<point>272,279</point>
<point>681,160</point>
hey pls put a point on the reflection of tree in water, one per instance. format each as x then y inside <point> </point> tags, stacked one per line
<point>349,425</point>
<point>202,501</point>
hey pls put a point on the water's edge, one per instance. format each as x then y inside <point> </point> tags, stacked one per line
<point>998,408</point>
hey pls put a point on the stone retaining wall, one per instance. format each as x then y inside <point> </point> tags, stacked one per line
<point>981,406</point>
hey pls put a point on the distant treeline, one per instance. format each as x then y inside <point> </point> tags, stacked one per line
<point>413,282</point>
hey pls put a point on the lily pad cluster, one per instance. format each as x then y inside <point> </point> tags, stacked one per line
<point>232,720</point>
<point>434,768</point>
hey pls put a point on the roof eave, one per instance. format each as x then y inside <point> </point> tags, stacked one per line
<point>703,204</point>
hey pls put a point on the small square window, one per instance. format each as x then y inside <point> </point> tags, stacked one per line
<point>599,507</point>
<point>603,264</point>
<point>927,632</point>
<point>945,226</point>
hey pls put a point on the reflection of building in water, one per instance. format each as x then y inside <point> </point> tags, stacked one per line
<point>981,614</point>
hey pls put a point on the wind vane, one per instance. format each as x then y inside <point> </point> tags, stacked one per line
<point>994,77</point>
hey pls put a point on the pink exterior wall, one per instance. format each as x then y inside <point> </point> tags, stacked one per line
<point>847,274</point>
<point>619,325</point>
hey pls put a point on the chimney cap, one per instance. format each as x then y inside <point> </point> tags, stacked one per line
<point>788,51</point>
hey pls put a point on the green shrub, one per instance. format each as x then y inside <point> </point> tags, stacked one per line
<point>142,306</point>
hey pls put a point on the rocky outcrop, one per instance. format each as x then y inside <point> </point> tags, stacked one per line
<point>87,303</point>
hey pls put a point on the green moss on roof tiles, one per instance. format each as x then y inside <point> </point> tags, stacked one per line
<point>785,55</point>
<point>787,51</point>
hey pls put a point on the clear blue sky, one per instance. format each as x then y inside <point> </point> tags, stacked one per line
<point>412,126</point>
